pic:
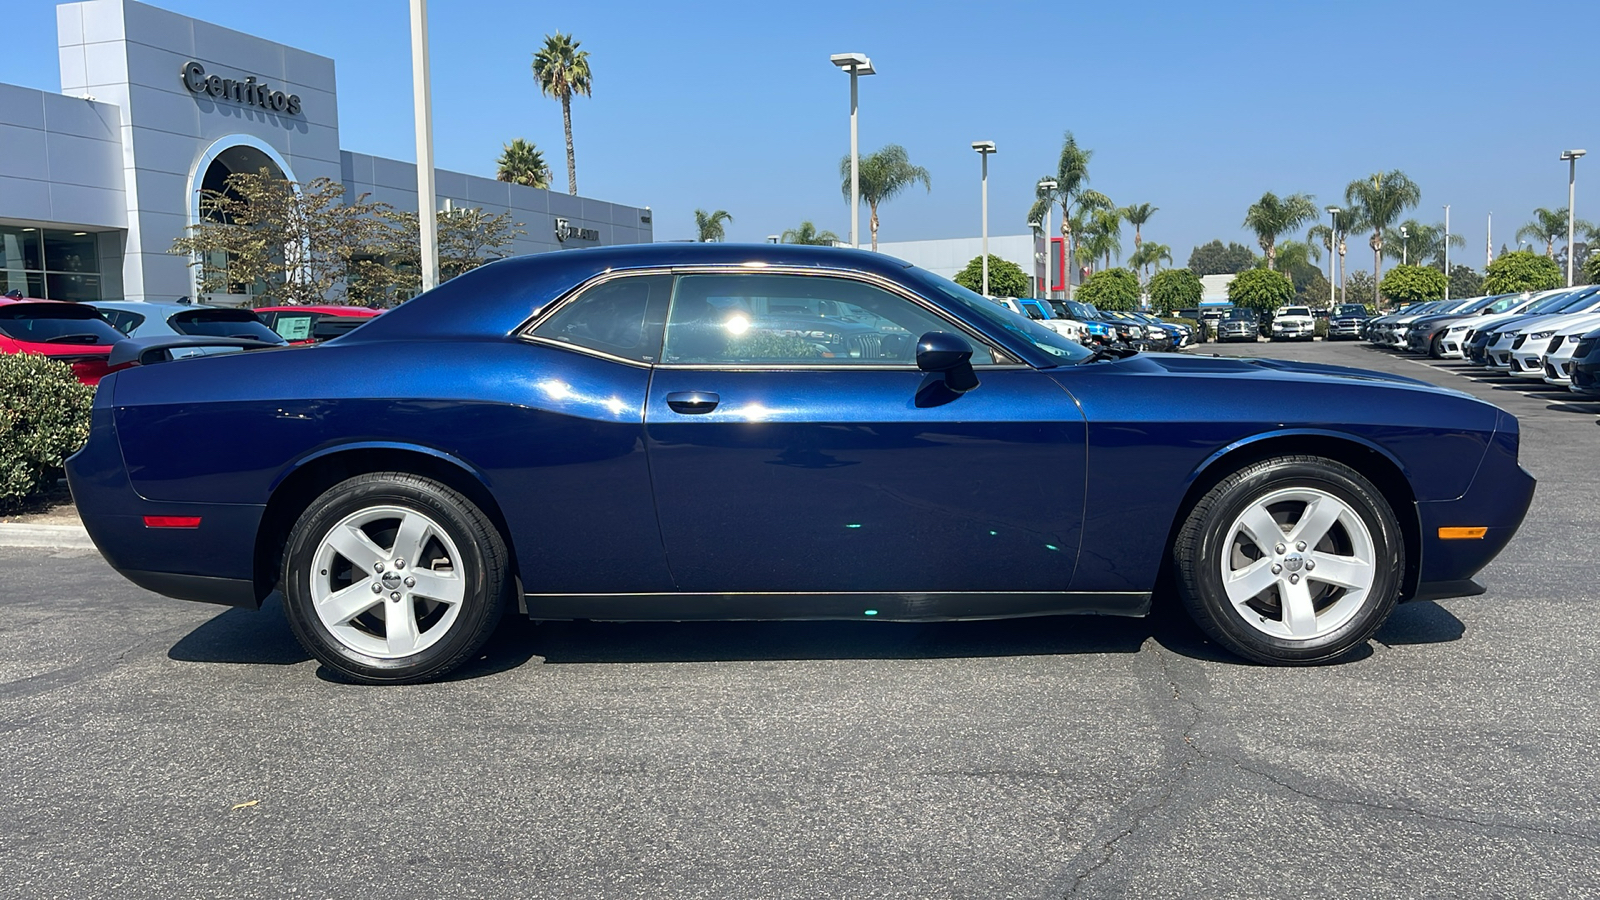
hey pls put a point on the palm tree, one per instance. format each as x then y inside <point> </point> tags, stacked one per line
<point>522,163</point>
<point>563,70</point>
<point>1377,201</point>
<point>1071,193</point>
<point>1550,225</point>
<point>710,225</point>
<point>1136,215</point>
<point>1100,235</point>
<point>1272,217</point>
<point>1151,254</point>
<point>1294,255</point>
<point>883,175</point>
<point>807,233</point>
<point>1420,243</point>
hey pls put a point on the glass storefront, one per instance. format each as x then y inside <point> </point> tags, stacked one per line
<point>47,264</point>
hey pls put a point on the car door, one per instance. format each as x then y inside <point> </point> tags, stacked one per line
<point>795,447</point>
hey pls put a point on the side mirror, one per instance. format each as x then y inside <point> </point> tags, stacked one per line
<point>950,354</point>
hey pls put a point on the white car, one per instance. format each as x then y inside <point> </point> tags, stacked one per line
<point>1558,354</point>
<point>1453,342</point>
<point>1521,350</point>
<point>1293,323</point>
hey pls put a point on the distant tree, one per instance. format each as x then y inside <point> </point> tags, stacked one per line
<point>1151,254</point>
<point>1465,281</point>
<point>1413,284</point>
<point>807,233</point>
<point>1102,236</point>
<point>709,225</point>
<point>1072,193</point>
<point>882,176</point>
<point>561,70</point>
<point>1172,289</point>
<point>1358,286</point>
<point>1111,289</point>
<point>1591,269</point>
<point>1215,259</point>
<point>521,163</point>
<point>1136,215</point>
<point>1260,289</point>
<point>1377,201</point>
<point>1272,216</point>
<point>1523,270</point>
<point>1419,243</point>
<point>1550,225</point>
<point>1315,292</point>
<point>1006,278</point>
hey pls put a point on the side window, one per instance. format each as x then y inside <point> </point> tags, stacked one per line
<point>621,317</point>
<point>796,320</point>
<point>124,322</point>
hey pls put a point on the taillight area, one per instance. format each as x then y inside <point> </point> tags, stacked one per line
<point>172,521</point>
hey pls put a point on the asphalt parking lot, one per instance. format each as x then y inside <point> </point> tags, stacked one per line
<point>163,749</point>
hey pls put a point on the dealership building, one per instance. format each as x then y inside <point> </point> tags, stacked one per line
<point>96,182</point>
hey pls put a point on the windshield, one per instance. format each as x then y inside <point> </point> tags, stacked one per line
<point>1295,311</point>
<point>1351,309</point>
<point>1241,313</point>
<point>1081,310</point>
<point>1039,336</point>
<point>1506,303</point>
<point>1579,301</point>
<point>56,323</point>
<point>233,323</point>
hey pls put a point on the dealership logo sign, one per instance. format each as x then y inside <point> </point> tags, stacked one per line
<point>565,230</point>
<point>249,91</point>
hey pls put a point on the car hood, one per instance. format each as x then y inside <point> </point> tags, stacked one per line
<point>1281,370</point>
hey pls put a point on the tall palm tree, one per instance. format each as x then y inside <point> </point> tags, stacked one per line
<point>1272,217</point>
<point>1100,235</point>
<point>709,225</point>
<point>807,233</point>
<point>1151,254</point>
<point>1421,243</point>
<point>1071,193</point>
<point>561,70</point>
<point>1377,201</point>
<point>882,176</point>
<point>522,163</point>
<point>1136,215</point>
<point>1550,225</point>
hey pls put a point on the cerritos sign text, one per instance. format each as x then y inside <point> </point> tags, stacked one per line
<point>255,93</point>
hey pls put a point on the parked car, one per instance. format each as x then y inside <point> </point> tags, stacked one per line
<point>1562,351</point>
<point>1509,337</point>
<point>1240,324</point>
<point>614,434</point>
<point>1344,323</point>
<point>298,324</point>
<point>1096,331</point>
<point>66,332</point>
<point>1293,323</point>
<point>1042,312</point>
<point>142,318</point>
<point>1445,337</point>
<point>1477,339</point>
<point>1586,365</point>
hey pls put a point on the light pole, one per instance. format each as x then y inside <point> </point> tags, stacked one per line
<point>427,203</point>
<point>1333,247</point>
<point>1447,251</point>
<point>1572,157</point>
<point>1405,258</point>
<point>774,238</point>
<point>857,65</point>
<point>985,148</point>
<point>1047,185</point>
<point>1488,242</point>
<point>1038,290</point>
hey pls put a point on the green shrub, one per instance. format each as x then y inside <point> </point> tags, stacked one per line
<point>1111,289</point>
<point>1320,329</point>
<point>1262,290</point>
<point>1522,271</point>
<point>44,418</point>
<point>1413,284</point>
<point>1006,278</point>
<point>1172,289</point>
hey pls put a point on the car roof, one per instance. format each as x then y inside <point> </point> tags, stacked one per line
<point>150,307</point>
<point>351,312</point>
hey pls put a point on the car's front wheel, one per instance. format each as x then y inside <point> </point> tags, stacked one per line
<point>392,578</point>
<point>1293,560</point>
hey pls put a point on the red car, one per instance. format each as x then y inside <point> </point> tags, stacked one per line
<point>67,332</point>
<point>311,324</point>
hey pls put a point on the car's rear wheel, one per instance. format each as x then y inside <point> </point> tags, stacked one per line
<point>1291,561</point>
<point>392,578</point>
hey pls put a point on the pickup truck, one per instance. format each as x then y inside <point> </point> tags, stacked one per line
<point>1293,323</point>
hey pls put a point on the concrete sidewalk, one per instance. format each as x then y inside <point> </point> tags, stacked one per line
<point>57,537</point>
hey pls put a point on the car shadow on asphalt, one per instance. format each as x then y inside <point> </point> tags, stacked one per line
<point>242,637</point>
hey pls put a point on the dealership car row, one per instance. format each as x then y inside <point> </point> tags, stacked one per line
<point>1551,336</point>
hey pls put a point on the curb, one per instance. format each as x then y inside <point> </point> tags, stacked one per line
<point>55,537</point>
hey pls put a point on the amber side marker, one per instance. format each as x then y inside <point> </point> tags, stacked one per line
<point>1472,533</point>
<point>172,521</point>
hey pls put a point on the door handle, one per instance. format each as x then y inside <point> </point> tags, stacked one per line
<point>692,403</point>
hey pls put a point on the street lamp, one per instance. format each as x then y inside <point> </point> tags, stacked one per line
<point>1571,157</point>
<point>1447,251</point>
<point>774,238</point>
<point>1047,185</point>
<point>422,105</point>
<point>857,65</point>
<point>985,148</point>
<point>1405,259</point>
<point>1334,243</point>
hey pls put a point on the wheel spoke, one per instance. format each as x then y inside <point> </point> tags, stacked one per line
<point>400,627</point>
<point>440,586</point>
<point>343,605</point>
<point>353,544</point>
<point>1244,584</point>
<point>411,537</point>
<point>1318,517</point>
<point>1299,614</point>
<point>1341,571</point>
<point>1262,528</point>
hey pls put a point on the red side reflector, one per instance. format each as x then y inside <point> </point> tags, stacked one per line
<point>172,521</point>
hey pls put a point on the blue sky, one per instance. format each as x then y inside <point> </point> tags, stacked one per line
<point>1194,107</point>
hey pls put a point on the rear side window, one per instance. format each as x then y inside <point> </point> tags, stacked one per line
<point>51,323</point>
<point>622,317</point>
<point>122,320</point>
<point>233,323</point>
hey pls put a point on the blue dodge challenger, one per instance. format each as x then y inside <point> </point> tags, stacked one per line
<point>719,431</point>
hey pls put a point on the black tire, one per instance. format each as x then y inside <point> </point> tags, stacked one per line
<point>1436,347</point>
<point>484,571</point>
<point>1197,557</point>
